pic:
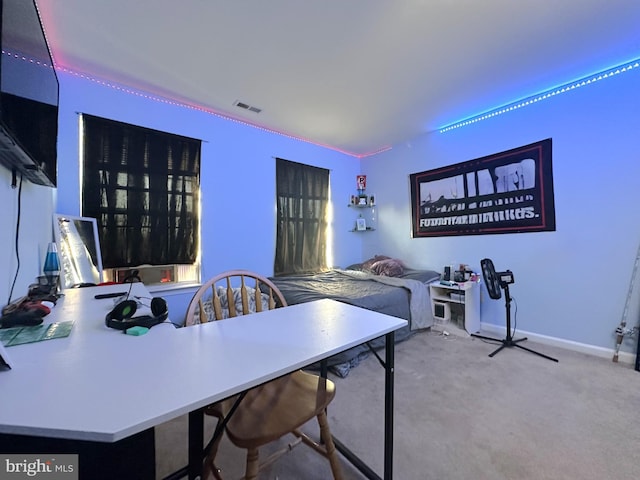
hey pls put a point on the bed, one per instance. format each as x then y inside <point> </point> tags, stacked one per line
<point>381,284</point>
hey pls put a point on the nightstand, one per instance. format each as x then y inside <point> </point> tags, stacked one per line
<point>464,293</point>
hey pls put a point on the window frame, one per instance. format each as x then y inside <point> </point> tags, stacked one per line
<point>144,209</point>
<point>302,218</point>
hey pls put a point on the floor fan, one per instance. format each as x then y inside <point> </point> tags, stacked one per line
<point>496,282</point>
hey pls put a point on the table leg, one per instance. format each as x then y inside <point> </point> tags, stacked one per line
<point>388,365</point>
<point>388,405</point>
<point>196,440</point>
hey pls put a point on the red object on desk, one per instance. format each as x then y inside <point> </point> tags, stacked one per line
<point>35,306</point>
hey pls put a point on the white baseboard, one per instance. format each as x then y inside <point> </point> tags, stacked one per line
<point>623,357</point>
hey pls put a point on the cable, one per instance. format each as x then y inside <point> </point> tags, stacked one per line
<point>491,341</point>
<point>515,316</point>
<point>17,240</point>
<point>128,293</point>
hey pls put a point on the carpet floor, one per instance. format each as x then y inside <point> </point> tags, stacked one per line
<point>460,415</point>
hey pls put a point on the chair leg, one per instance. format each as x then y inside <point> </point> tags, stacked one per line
<point>251,472</point>
<point>325,435</point>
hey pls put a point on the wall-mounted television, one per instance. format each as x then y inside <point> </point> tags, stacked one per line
<point>29,93</point>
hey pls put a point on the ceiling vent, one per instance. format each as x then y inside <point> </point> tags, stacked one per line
<point>246,106</point>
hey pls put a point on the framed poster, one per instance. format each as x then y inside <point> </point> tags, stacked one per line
<point>508,192</point>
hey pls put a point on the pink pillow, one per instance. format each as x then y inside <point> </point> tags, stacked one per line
<point>389,267</point>
<point>366,266</point>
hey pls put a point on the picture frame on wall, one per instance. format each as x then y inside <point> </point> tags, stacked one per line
<point>507,192</point>
<point>361,224</point>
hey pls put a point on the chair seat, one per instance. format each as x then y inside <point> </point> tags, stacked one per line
<point>270,411</point>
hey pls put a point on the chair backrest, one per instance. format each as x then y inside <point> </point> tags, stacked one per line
<point>233,293</point>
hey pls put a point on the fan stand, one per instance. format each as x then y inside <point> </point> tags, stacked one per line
<point>509,341</point>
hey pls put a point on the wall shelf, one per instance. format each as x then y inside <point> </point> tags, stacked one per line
<point>366,220</point>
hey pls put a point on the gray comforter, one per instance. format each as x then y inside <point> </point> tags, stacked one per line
<point>404,297</point>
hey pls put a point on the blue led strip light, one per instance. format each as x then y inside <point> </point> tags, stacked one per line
<point>626,67</point>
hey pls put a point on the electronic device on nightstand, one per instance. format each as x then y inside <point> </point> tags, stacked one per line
<point>446,274</point>
<point>441,312</point>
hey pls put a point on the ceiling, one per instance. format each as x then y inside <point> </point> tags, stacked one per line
<point>357,76</point>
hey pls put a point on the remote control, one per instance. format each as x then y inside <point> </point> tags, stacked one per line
<point>109,295</point>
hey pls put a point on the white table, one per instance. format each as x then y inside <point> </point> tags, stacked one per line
<point>101,385</point>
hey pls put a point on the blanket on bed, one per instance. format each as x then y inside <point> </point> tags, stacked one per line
<point>404,297</point>
<point>419,300</point>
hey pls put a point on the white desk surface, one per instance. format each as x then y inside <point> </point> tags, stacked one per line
<point>100,384</point>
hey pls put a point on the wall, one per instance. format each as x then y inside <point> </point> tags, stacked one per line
<point>237,184</point>
<point>570,284</point>
<point>32,209</point>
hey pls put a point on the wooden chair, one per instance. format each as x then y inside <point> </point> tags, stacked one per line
<point>275,409</point>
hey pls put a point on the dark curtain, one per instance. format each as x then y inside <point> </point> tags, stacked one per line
<point>142,186</point>
<point>302,197</point>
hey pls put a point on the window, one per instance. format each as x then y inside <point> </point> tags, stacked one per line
<point>302,195</point>
<point>142,187</point>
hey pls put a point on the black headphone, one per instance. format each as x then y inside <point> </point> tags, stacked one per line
<point>121,317</point>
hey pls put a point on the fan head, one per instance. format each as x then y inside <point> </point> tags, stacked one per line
<point>491,279</point>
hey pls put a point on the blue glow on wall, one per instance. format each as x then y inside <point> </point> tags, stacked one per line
<point>552,92</point>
